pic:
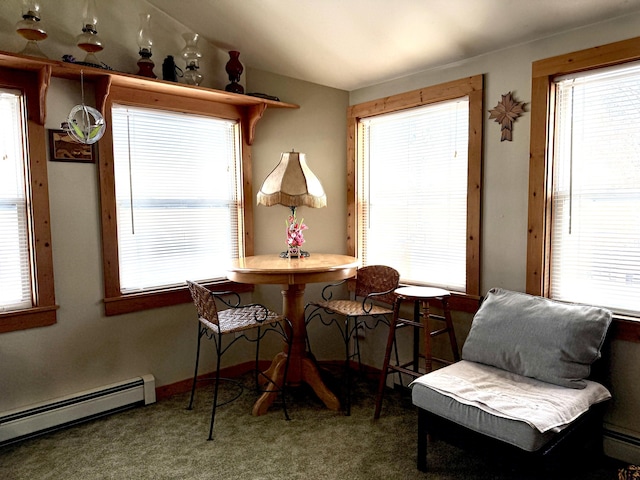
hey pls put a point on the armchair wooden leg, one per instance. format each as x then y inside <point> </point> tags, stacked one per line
<point>422,440</point>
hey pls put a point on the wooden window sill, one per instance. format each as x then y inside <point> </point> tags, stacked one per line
<point>31,318</point>
<point>626,329</point>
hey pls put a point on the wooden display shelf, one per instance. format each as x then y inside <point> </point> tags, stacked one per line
<point>255,106</point>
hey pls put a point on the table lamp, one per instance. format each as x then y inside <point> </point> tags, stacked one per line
<point>292,184</point>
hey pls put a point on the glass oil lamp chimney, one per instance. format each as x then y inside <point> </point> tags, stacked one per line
<point>31,28</point>
<point>191,55</point>
<point>145,42</point>
<point>88,40</point>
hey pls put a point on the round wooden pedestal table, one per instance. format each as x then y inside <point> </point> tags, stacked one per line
<point>293,274</point>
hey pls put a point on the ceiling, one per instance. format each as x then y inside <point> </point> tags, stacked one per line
<point>349,44</point>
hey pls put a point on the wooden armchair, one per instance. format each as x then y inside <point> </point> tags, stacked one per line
<point>524,384</point>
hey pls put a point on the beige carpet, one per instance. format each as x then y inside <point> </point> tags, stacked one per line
<point>166,441</point>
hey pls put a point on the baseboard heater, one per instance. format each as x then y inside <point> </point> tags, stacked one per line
<point>621,444</point>
<point>62,412</point>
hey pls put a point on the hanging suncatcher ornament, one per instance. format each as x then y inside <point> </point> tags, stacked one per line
<point>85,124</point>
<point>505,113</point>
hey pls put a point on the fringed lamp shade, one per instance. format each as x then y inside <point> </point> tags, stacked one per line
<point>293,184</point>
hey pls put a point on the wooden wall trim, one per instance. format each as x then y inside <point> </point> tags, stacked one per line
<point>473,87</point>
<point>33,85</point>
<point>626,330</point>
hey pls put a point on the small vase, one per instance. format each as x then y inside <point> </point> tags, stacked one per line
<point>234,69</point>
<point>294,251</point>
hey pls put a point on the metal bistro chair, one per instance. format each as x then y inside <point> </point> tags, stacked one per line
<point>373,299</point>
<point>236,320</point>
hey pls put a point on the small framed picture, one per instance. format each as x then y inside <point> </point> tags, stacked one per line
<point>63,148</point>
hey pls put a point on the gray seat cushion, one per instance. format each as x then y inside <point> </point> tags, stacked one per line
<point>522,411</point>
<point>510,431</point>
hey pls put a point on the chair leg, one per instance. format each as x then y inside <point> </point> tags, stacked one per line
<point>195,373</point>
<point>347,368</point>
<point>416,337</point>
<point>452,333</point>
<point>382,383</point>
<point>307,321</point>
<point>428,354</point>
<point>217,384</point>
<point>357,343</point>
<point>397,357</point>
<point>422,440</point>
<point>256,370</point>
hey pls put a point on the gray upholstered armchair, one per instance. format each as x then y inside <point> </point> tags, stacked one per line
<point>524,381</point>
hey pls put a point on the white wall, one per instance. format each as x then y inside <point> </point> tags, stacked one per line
<point>505,182</point>
<point>317,129</point>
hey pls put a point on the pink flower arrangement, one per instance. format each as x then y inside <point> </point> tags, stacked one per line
<point>295,238</point>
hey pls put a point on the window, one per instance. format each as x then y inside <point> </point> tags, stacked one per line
<point>15,275</point>
<point>414,183</point>
<point>584,203</point>
<point>177,197</point>
<point>595,231</point>
<point>416,163</point>
<point>174,206</point>
<point>26,273</point>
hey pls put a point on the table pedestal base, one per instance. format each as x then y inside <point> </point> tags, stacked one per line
<point>309,375</point>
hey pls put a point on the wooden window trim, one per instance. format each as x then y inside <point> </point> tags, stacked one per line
<point>37,73</point>
<point>543,73</point>
<point>115,302</point>
<point>473,87</point>
<point>539,216</point>
<point>44,312</point>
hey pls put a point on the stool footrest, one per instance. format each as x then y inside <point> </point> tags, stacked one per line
<point>403,367</point>
<point>399,368</point>
<point>435,333</point>
<point>442,360</point>
<point>403,322</point>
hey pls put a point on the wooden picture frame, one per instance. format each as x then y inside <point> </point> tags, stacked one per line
<point>64,148</point>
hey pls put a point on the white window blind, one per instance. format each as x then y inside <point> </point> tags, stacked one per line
<point>15,258</point>
<point>178,197</point>
<point>595,236</point>
<point>413,199</point>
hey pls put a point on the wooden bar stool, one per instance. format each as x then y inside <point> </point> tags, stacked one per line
<point>420,296</point>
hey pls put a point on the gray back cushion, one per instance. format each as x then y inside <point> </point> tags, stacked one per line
<point>537,337</point>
